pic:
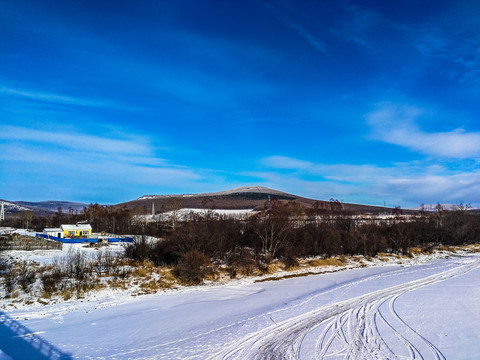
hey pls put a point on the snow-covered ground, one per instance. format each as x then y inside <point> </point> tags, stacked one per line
<point>427,310</point>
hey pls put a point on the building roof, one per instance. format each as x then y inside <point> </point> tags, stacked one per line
<point>76,227</point>
<point>52,229</point>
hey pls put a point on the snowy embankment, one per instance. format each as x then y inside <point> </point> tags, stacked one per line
<point>428,310</point>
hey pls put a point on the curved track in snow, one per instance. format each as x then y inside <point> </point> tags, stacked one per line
<point>356,328</point>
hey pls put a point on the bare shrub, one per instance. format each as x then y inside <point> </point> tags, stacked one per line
<point>150,287</point>
<point>414,250</point>
<point>74,264</point>
<point>25,275</point>
<point>78,264</point>
<point>241,261</point>
<point>51,281</point>
<point>290,261</point>
<point>140,249</point>
<point>85,285</point>
<point>140,272</point>
<point>273,267</point>
<point>327,262</point>
<point>232,272</point>
<point>21,275</point>
<point>10,280</point>
<point>165,252</point>
<point>68,274</point>
<point>193,268</point>
<point>104,262</point>
<point>427,249</point>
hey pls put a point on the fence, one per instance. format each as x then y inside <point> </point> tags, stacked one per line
<point>86,240</point>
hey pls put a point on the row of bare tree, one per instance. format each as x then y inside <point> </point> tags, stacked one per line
<point>283,229</point>
<point>287,230</point>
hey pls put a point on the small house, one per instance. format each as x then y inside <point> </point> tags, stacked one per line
<point>56,232</point>
<point>77,230</point>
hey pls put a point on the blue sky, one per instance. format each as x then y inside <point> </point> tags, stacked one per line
<point>364,101</point>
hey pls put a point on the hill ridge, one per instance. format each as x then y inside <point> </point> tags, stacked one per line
<point>240,198</point>
<point>238,190</point>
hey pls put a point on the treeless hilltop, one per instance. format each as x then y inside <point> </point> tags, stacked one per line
<point>242,198</point>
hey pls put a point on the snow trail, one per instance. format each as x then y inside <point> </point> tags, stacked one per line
<point>349,329</point>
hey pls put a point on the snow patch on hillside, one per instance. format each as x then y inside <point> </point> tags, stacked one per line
<point>12,207</point>
<point>449,207</point>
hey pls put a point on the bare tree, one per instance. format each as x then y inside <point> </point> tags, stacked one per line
<point>272,227</point>
<point>26,217</point>
<point>208,208</point>
<point>173,206</point>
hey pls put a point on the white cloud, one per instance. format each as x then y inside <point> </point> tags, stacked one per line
<point>82,162</point>
<point>405,184</point>
<point>447,187</point>
<point>396,125</point>
<point>452,42</point>
<point>335,172</point>
<point>286,13</point>
<point>78,140</point>
<point>359,23</point>
<point>283,162</point>
<point>55,98</point>
<point>314,41</point>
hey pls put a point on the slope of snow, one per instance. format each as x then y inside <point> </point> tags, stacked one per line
<point>427,311</point>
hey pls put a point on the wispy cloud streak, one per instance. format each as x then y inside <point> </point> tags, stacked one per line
<point>314,41</point>
<point>396,125</point>
<point>78,140</point>
<point>402,183</point>
<point>55,98</point>
<point>69,157</point>
<point>283,11</point>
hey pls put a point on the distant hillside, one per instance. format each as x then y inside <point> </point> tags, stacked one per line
<point>242,198</point>
<point>11,207</point>
<point>41,207</point>
<point>53,206</point>
<point>247,197</point>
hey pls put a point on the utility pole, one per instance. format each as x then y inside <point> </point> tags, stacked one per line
<point>2,213</point>
<point>153,209</point>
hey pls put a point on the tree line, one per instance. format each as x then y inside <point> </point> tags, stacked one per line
<point>288,231</point>
<point>283,230</point>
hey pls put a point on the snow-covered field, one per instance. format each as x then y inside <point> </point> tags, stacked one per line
<point>428,310</point>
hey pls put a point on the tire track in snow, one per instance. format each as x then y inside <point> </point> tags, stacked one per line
<point>350,329</point>
<point>186,346</point>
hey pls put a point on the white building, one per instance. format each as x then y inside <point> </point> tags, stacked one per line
<point>57,232</point>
